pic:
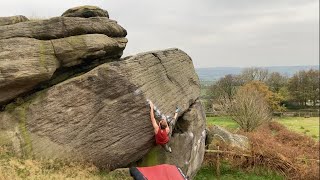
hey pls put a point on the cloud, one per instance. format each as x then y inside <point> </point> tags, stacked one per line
<point>212,32</point>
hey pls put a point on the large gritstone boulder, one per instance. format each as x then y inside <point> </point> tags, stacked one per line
<point>101,116</point>
<point>32,52</point>
<point>187,143</point>
<point>66,93</point>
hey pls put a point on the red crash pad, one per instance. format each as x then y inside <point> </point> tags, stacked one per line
<point>159,172</point>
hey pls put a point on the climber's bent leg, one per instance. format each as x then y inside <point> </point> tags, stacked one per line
<point>166,147</point>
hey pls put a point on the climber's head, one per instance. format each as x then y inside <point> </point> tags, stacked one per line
<point>163,124</point>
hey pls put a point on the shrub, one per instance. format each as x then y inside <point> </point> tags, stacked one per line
<point>274,147</point>
<point>289,153</point>
<point>248,108</point>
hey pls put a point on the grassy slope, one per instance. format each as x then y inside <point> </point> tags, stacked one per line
<point>308,126</point>
<point>297,124</point>
<point>225,122</point>
<point>12,167</point>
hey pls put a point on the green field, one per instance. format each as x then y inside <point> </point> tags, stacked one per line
<point>222,121</point>
<point>308,126</point>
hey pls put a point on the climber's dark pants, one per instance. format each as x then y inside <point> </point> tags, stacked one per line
<point>171,125</point>
<point>166,147</point>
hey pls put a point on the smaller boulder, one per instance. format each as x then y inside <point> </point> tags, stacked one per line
<point>12,20</point>
<point>86,12</point>
<point>217,135</point>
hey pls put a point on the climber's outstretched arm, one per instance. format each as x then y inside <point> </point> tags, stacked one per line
<point>175,115</point>
<point>153,120</point>
<point>173,122</point>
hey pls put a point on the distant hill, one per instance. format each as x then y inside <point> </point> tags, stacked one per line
<point>215,73</point>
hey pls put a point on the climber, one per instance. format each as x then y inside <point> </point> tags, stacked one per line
<point>162,129</point>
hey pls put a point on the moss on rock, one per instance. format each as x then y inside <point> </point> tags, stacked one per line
<point>154,157</point>
<point>26,144</point>
<point>19,110</point>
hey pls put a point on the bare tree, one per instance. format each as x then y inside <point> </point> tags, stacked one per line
<point>248,108</point>
<point>254,74</point>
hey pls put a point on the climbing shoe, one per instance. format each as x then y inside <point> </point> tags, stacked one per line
<point>167,148</point>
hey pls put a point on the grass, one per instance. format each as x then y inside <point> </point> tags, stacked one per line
<point>229,173</point>
<point>308,126</point>
<point>222,121</point>
<point>203,92</point>
<point>12,167</point>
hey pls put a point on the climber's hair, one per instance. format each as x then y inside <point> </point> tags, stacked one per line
<point>163,125</point>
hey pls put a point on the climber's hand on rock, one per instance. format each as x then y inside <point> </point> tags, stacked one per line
<point>177,110</point>
<point>151,105</point>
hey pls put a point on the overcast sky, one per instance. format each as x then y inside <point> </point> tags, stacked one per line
<point>213,32</point>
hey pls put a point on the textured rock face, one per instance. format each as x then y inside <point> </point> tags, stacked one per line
<point>12,20</point>
<point>187,143</point>
<point>66,93</point>
<point>217,134</point>
<point>194,123</point>
<point>86,12</point>
<point>102,116</point>
<point>24,62</point>
<point>60,27</point>
<point>75,50</point>
<point>32,51</point>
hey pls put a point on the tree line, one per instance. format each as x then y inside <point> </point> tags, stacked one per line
<point>251,97</point>
<point>280,91</point>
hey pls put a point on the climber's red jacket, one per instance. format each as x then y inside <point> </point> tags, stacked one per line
<point>162,137</point>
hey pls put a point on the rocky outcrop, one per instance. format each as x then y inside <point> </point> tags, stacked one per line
<point>102,116</point>
<point>12,20</point>
<point>24,62</point>
<point>187,143</point>
<point>217,135</point>
<point>67,94</point>
<point>76,50</point>
<point>32,51</point>
<point>86,12</point>
<point>60,27</point>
